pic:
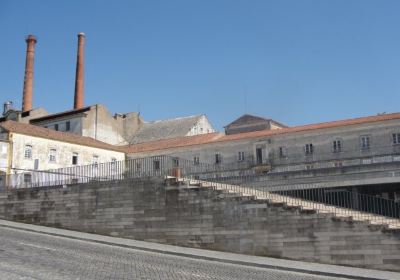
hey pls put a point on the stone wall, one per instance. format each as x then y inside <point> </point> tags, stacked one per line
<point>172,213</point>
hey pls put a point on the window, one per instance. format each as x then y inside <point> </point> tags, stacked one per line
<point>259,155</point>
<point>338,164</point>
<point>282,152</point>
<point>396,138</point>
<point>113,163</point>
<point>156,165</point>
<point>52,155</point>
<point>56,127</point>
<point>28,151</point>
<point>309,149</point>
<point>309,166</point>
<point>218,158</point>
<point>138,166</point>
<point>36,164</point>
<point>95,160</point>
<point>196,160</point>
<point>27,178</point>
<point>365,142</point>
<point>74,159</point>
<point>241,156</point>
<point>68,126</point>
<point>337,146</point>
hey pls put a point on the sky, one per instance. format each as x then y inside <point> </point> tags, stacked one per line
<point>298,62</point>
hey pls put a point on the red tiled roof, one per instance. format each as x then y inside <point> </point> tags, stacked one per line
<point>41,132</point>
<point>218,137</point>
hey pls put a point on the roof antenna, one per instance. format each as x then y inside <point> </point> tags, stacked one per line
<point>245,99</point>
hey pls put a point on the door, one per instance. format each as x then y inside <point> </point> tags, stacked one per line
<point>259,156</point>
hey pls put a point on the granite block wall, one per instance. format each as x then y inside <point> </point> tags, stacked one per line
<point>169,212</point>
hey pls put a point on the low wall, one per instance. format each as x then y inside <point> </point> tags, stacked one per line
<point>167,212</point>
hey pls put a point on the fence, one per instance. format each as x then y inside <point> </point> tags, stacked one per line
<point>117,170</point>
<point>341,203</point>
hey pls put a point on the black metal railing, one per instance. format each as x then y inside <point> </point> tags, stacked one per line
<point>116,170</point>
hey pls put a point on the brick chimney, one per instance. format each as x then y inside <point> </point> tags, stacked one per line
<point>79,78</point>
<point>28,80</point>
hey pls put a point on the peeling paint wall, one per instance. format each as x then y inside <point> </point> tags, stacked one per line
<point>63,155</point>
<point>99,124</point>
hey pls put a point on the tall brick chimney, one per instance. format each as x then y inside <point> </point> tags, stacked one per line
<point>28,80</point>
<point>79,78</point>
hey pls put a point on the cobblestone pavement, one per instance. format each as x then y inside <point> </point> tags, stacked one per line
<point>26,255</point>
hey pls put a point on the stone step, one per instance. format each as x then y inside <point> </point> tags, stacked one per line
<point>303,205</point>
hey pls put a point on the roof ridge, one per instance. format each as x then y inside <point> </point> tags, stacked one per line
<point>173,119</point>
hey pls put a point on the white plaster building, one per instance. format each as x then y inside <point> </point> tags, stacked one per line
<point>26,147</point>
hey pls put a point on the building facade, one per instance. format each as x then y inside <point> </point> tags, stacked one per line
<point>25,147</point>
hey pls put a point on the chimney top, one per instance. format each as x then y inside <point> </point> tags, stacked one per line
<point>30,37</point>
<point>81,34</point>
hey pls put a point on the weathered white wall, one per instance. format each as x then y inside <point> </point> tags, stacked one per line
<point>3,156</point>
<point>41,148</point>
<point>99,124</point>
<point>203,126</point>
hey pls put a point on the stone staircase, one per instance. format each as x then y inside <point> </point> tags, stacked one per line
<point>302,204</point>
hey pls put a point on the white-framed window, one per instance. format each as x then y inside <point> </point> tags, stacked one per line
<point>309,149</point>
<point>396,138</point>
<point>28,151</point>
<point>52,155</point>
<point>240,156</point>
<point>27,178</point>
<point>337,145</point>
<point>75,159</point>
<point>95,160</point>
<point>196,160</point>
<point>365,142</point>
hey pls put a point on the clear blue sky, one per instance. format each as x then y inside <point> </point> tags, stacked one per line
<point>294,61</point>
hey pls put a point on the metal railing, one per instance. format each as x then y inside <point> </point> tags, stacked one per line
<point>340,203</point>
<point>116,170</point>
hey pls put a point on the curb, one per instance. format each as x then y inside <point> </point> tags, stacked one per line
<point>193,256</point>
